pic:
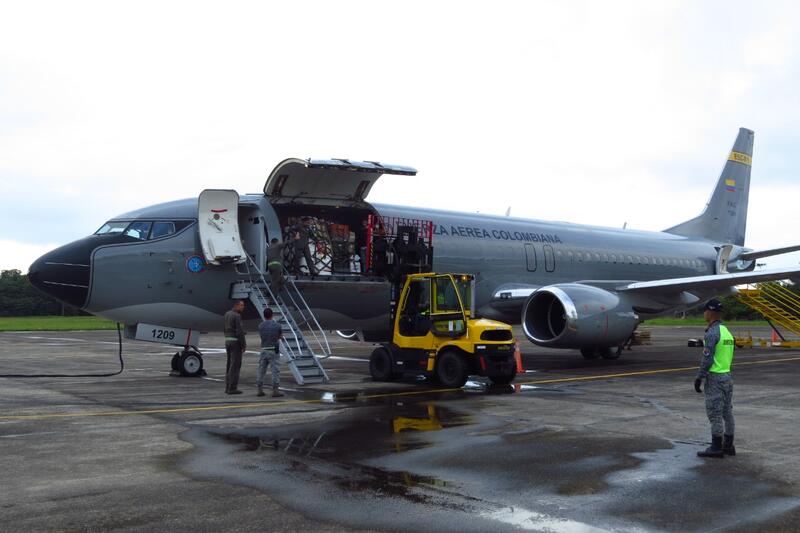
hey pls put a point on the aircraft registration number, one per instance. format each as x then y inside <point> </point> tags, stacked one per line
<point>166,335</point>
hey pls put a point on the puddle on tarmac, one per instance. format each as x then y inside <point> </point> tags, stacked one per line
<point>431,465</point>
<point>392,427</point>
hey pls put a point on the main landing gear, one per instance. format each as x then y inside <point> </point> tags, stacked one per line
<point>605,352</point>
<point>188,363</point>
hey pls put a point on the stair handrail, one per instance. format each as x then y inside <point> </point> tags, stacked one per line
<point>286,315</point>
<point>784,309</point>
<point>767,310</point>
<point>771,302</point>
<point>783,296</point>
<point>323,344</point>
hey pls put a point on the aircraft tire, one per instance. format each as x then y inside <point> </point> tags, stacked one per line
<point>609,352</point>
<point>176,362</point>
<point>504,380</point>
<point>590,353</point>
<point>451,370</point>
<point>380,365</point>
<point>191,364</point>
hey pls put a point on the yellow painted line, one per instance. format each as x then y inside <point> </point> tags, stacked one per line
<point>216,407</point>
<point>360,397</point>
<point>606,376</point>
<point>646,372</point>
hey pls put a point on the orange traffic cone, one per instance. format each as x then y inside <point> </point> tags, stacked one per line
<point>775,337</point>
<point>518,359</point>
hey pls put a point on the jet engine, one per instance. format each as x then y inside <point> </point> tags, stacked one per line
<point>572,315</point>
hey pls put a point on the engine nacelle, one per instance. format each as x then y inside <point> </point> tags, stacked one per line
<point>572,315</point>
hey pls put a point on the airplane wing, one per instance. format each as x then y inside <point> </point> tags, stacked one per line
<point>758,254</point>
<point>507,301</point>
<point>514,291</point>
<point>705,283</point>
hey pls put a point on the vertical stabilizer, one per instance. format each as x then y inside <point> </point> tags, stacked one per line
<point>724,219</point>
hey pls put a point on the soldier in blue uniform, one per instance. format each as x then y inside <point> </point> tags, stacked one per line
<point>715,369</point>
<point>271,334</point>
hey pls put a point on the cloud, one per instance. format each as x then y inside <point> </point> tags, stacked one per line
<point>596,113</point>
<point>19,255</point>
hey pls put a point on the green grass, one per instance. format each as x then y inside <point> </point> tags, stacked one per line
<point>54,323</point>
<point>698,321</point>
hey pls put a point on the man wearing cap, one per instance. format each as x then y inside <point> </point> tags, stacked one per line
<point>271,335</point>
<point>715,368</point>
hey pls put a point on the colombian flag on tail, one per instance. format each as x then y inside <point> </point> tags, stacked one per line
<point>730,185</point>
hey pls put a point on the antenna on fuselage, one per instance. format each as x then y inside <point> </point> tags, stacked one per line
<point>508,211</point>
<point>625,225</point>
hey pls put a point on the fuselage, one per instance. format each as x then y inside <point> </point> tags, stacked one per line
<point>131,280</point>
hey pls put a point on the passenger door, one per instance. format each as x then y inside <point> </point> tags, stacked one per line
<point>218,225</point>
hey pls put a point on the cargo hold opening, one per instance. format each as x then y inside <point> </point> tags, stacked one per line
<point>339,236</point>
<point>325,199</point>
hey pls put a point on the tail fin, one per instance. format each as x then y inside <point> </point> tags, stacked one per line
<point>725,217</point>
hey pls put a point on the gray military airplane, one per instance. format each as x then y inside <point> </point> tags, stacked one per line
<point>570,286</point>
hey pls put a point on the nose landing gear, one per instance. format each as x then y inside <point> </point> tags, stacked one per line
<point>188,363</point>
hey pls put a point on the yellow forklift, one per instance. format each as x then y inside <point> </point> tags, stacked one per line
<point>435,334</point>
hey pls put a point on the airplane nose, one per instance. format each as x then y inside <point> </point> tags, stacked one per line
<point>64,273</point>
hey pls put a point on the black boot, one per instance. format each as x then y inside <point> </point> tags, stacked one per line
<point>715,450</point>
<point>727,445</point>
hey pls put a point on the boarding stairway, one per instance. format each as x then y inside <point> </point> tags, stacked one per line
<point>304,341</point>
<point>779,305</point>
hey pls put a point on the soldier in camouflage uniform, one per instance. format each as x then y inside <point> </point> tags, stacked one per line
<point>715,368</point>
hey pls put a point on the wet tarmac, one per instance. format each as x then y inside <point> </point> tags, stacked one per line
<point>573,445</point>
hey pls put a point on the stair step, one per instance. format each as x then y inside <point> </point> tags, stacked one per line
<point>304,365</point>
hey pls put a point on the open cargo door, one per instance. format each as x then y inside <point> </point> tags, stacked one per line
<point>338,182</point>
<point>217,216</point>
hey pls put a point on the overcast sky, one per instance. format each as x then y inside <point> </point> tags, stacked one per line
<point>591,112</point>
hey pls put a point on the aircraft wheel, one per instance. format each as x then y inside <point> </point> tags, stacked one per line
<point>191,364</point>
<point>451,370</point>
<point>380,365</point>
<point>176,362</point>
<point>609,352</point>
<point>504,380</point>
<point>589,353</point>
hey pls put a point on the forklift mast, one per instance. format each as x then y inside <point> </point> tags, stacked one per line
<point>397,247</point>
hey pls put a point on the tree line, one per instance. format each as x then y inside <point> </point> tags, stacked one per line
<point>19,298</point>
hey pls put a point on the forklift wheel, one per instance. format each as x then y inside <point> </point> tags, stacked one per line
<point>451,370</point>
<point>504,380</point>
<point>380,365</point>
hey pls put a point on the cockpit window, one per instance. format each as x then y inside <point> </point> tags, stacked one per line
<point>112,228</point>
<point>139,230</point>
<point>162,229</point>
<point>143,229</point>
